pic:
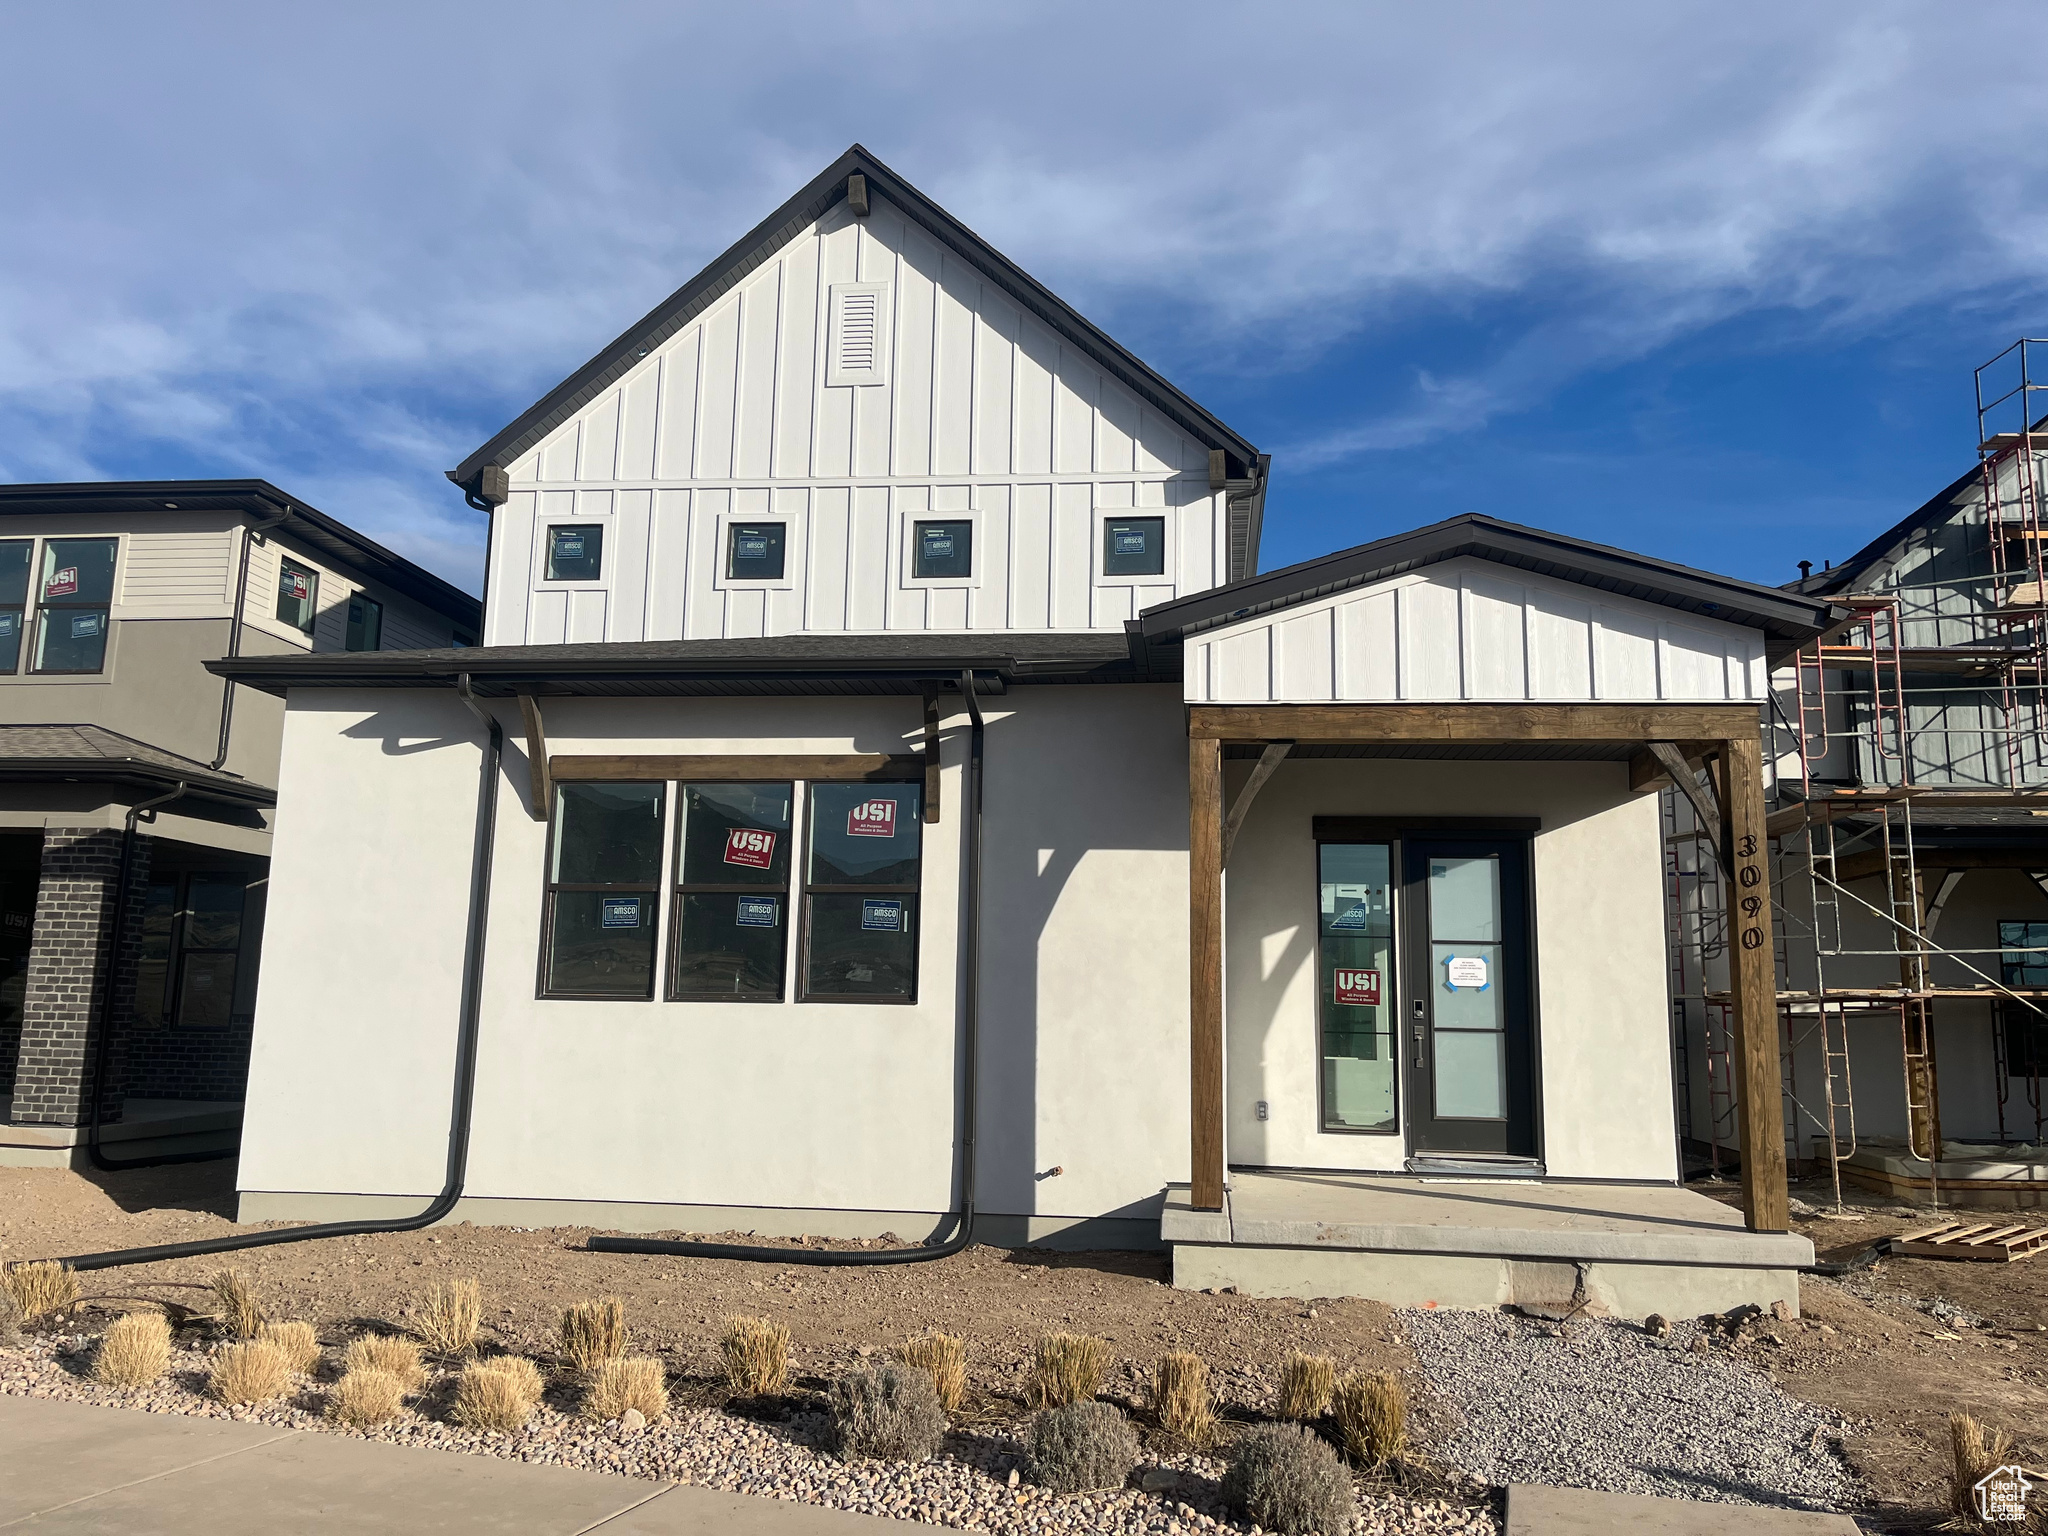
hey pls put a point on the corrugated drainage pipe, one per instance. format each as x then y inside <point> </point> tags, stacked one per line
<point>963,1234</point>
<point>465,1059</point>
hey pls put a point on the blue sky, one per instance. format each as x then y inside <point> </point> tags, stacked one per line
<point>1704,280</point>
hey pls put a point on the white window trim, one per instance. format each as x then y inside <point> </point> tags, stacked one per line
<point>885,336</point>
<point>794,545</point>
<point>906,546</point>
<point>1169,561</point>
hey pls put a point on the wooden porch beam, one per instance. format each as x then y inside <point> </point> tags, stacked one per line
<point>1268,765</point>
<point>1205,973</point>
<point>1753,983</point>
<point>1470,724</point>
<point>537,756</point>
<point>869,767</point>
<point>1680,773</point>
<point>1646,772</point>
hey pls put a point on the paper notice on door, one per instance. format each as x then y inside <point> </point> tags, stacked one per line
<point>1462,971</point>
<point>1355,989</point>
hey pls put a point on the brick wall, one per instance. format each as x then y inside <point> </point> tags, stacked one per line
<point>190,1063</point>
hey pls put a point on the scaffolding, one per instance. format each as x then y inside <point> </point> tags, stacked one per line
<point>1928,700</point>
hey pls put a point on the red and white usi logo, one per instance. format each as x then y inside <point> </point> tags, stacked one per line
<point>1357,989</point>
<point>750,846</point>
<point>872,818</point>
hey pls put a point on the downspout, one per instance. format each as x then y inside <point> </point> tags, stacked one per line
<point>465,1057</point>
<point>227,687</point>
<point>970,969</point>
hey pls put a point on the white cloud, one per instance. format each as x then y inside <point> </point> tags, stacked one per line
<point>341,247</point>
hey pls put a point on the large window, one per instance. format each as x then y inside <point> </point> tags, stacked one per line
<point>15,558</point>
<point>730,936</point>
<point>365,623</point>
<point>190,955</point>
<point>860,892</point>
<point>74,602</point>
<point>298,595</point>
<point>1356,986</point>
<point>604,887</point>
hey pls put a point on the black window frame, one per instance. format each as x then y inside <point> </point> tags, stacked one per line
<point>551,888</point>
<point>677,888</point>
<point>44,608</point>
<point>24,609</point>
<point>2023,1035</point>
<point>589,531</point>
<point>913,891</point>
<point>178,947</point>
<point>734,527</point>
<point>1109,571</point>
<point>965,529</point>
<point>311,599</point>
<point>352,629</point>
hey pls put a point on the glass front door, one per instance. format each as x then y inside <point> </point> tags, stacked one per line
<point>1356,986</point>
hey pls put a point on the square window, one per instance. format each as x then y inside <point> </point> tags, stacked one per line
<point>1133,546</point>
<point>575,552</point>
<point>298,594</point>
<point>754,551</point>
<point>942,549</point>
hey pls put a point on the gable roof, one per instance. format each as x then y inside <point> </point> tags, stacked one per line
<point>1787,619</point>
<point>784,225</point>
<point>257,499</point>
<point>1843,577</point>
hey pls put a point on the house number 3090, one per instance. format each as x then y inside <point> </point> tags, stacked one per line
<point>1749,875</point>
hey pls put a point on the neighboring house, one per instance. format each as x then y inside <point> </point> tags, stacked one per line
<point>873,642</point>
<point>115,739</point>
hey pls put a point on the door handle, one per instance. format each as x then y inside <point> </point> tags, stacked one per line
<point>1419,1032</point>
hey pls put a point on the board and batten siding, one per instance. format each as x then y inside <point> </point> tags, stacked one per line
<point>1473,630</point>
<point>976,411</point>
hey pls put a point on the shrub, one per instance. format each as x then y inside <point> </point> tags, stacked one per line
<point>892,1413</point>
<point>449,1318</point>
<point>249,1372</point>
<point>42,1288</point>
<point>943,1358</point>
<point>1306,1385</point>
<point>1371,1408</point>
<point>366,1396</point>
<point>593,1332</point>
<point>1081,1446</point>
<point>1285,1478</point>
<point>10,1316</point>
<point>636,1381</point>
<point>297,1342</point>
<point>756,1355</point>
<point>234,1301</point>
<point>496,1394</point>
<point>388,1353</point>
<point>1180,1397</point>
<point>1066,1368</point>
<point>134,1351</point>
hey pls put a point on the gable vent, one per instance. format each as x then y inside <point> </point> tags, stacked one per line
<point>857,349</point>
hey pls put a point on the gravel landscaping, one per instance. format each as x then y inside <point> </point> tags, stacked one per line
<point>978,1482</point>
<point>1594,1404</point>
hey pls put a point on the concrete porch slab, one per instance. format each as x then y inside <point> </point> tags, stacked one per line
<point>147,1128</point>
<point>1535,1511</point>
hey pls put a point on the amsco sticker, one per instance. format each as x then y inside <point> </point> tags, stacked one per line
<point>621,912</point>
<point>756,912</point>
<point>883,916</point>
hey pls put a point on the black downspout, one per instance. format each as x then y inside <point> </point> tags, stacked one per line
<point>465,1058</point>
<point>963,1234</point>
<point>227,687</point>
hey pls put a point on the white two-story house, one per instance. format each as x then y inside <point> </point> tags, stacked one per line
<point>888,797</point>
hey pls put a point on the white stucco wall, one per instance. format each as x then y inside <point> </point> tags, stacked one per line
<point>802,1106</point>
<point>1603,1060</point>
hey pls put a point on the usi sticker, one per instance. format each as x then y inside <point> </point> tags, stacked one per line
<point>296,586</point>
<point>872,818</point>
<point>884,916</point>
<point>621,912</point>
<point>756,912</point>
<point>1356,989</point>
<point>750,846</point>
<point>62,583</point>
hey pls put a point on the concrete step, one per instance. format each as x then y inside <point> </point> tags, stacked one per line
<point>1537,1511</point>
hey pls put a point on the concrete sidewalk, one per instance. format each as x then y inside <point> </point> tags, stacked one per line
<point>68,1467</point>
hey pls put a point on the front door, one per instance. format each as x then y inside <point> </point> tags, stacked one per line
<point>1467,1032</point>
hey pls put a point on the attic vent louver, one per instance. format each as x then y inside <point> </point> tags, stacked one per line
<point>858,348</point>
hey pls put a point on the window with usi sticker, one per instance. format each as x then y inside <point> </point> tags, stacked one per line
<point>75,597</point>
<point>863,867</point>
<point>731,934</point>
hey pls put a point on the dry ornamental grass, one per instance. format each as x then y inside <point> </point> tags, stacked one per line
<point>297,1342</point>
<point>1306,1385</point>
<point>637,1381</point>
<point>366,1397</point>
<point>387,1352</point>
<point>42,1288</point>
<point>943,1358</point>
<point>250,1372</point>
<point>449,1318</point>
<point>234,1300</point>
<point>134,1351</point>
<point>1067,1368</point>
<point>496,1394</point>
<point>756,1355</point>
<point>593,1332</point>
<point>1180,1397</point>
<point>1371,1408</point>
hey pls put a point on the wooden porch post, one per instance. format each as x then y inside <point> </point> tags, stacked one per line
<point>1753,985</point>
<point>1205,984</point>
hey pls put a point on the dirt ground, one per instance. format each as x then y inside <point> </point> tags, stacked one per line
<point>1866,1345</point>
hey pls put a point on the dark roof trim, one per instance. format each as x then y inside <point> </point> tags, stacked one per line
<point>1789,620</point>
<point>775,231</point>
<point>791,664</point>
<point>256,499</point>
<point>1843,578</point>
<point>200,784</point>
